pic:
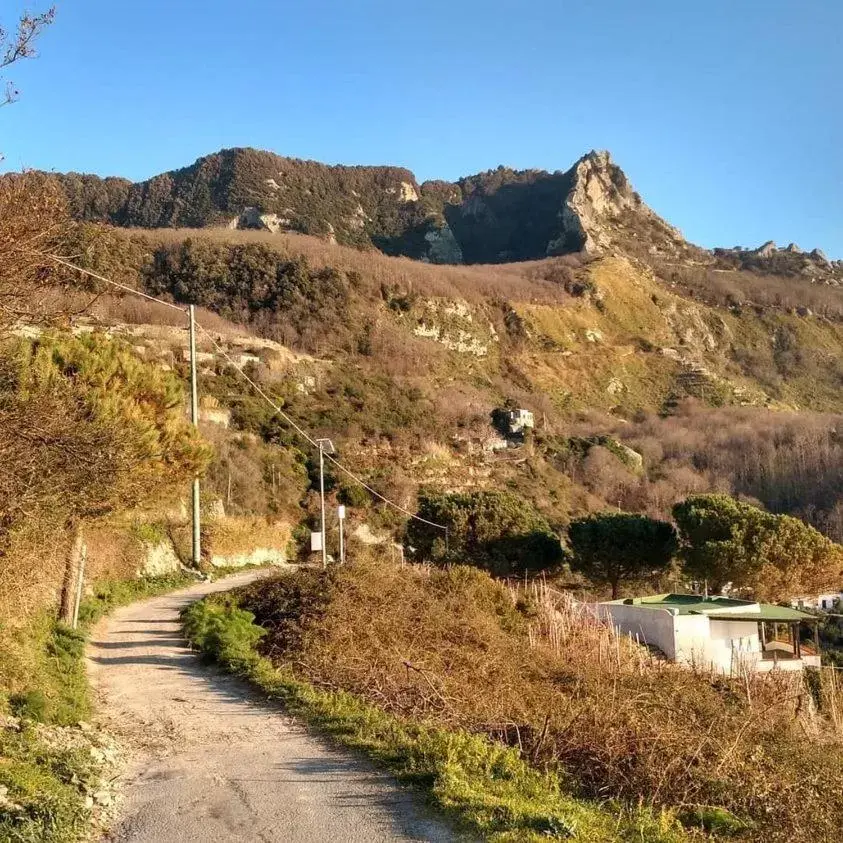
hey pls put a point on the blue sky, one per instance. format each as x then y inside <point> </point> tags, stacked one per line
<point>727,115</point>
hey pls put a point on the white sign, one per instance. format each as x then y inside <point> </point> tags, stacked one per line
<point>341,512</point>
<point>315,542</point>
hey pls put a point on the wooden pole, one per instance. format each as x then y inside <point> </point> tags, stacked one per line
<point>322,501</point>
<point>69,587</point>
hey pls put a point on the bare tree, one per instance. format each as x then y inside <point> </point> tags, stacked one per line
<point>19,43</point>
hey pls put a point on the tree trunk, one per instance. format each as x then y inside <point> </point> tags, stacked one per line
<point>71,575</point>
<point>615,589</point>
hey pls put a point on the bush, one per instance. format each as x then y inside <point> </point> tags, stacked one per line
<point>227,633</point>
<point>498,531</point>
<point>31,705</point>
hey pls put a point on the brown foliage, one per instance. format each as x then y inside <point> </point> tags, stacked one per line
<point>33,221</point>
<point>519,282</point>
<point>790,462</point>
<point>540,673</point>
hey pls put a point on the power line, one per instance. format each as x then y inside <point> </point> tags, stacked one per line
<point>125,287</point>
<point>223,353</point>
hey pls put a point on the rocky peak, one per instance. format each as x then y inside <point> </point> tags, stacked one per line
<point>790,260</point>
<point>600,190</point>
<point>600,197</point>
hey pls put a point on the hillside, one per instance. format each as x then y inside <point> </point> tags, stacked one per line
<point>719,370</point>
<point>411,361</point>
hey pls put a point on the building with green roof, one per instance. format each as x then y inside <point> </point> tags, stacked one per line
<point>721,633</point>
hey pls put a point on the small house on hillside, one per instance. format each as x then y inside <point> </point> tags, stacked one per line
<point>520,420</point>
<point>831,602</point>
<point>721,633</point>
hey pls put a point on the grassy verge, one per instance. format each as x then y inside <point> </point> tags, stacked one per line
<point>51,768</point>
<point>485,787</point>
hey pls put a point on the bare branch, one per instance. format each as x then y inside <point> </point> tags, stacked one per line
<point>20,44</point>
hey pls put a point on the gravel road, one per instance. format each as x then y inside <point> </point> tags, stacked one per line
<point>209,762</point>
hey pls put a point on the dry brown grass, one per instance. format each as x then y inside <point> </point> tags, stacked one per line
<point>533,669</point>
<point>237,536</point>
<point>519,282</point>
<point>113,309</point>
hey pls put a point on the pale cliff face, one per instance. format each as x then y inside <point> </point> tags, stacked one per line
<point>600,193</point>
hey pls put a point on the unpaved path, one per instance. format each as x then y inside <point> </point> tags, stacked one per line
<point>209,762</point>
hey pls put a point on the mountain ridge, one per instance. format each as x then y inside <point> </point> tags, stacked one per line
<point>495,216</point>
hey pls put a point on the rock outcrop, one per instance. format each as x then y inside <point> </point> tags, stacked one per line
<point>600,191</point>
<point>442,246</point>
<point>601,208</point>
<point>791,260</point>
<point>253,218</point>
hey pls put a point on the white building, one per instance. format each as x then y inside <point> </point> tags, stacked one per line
<point>519,420</point>
<point>720,633</point>
<point>831,602</point>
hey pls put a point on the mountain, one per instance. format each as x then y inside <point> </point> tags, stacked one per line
<point>493,217</point>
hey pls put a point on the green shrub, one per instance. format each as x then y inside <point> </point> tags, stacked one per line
<point>29,704</point>
<point>226,632</point>
<point>499,531</point>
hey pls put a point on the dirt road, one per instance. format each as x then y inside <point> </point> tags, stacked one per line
<point>210,762</point>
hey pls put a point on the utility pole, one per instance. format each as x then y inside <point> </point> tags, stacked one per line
<point>325,447</point>
<point>194,417</point>
<point>341,516</point>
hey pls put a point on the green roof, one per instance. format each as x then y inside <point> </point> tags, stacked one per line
<point>767,612</point>
<point>717,608</point>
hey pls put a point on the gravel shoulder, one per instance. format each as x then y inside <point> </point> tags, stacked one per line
<point>209,761</point>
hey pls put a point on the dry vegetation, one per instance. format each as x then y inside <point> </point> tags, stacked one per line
<point>472,283</point>
<point>533,670</point>
<point>789,462</point>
